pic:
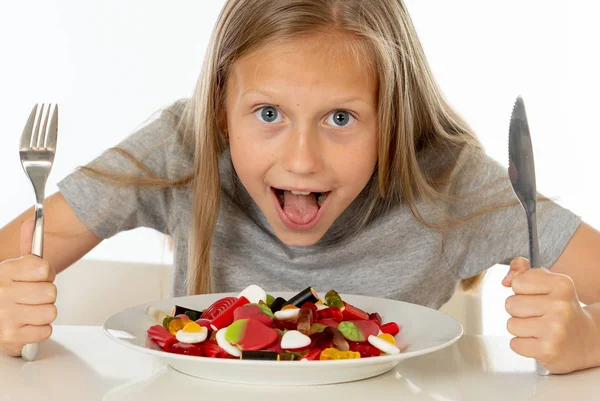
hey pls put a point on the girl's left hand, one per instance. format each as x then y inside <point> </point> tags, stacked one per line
<point>547,320</point>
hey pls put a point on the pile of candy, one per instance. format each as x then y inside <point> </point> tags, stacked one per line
<point>254,325</point>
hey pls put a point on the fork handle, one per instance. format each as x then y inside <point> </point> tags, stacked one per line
<point>29,352</point>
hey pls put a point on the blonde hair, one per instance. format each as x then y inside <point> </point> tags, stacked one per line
<point>413,115</point>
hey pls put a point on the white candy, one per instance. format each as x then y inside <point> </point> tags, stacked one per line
<point>321,306</point>
<point>254,294</point>
<point>192,338</point>
<point>293,339</point>
<point>287,314</point>
<point>383,345</point>
<point>223,343</point>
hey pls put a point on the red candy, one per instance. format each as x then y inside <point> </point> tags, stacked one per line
<point>218,307</point>
<point>329,323</point>
<point>225,318</point>
<point>330,313</point>
<point>376,318</point>
<point>212,350</point>
<point>353,313</point>
<point>313,355</point>
<point>252,311</point>
<point>390,328</point>
<point>187,349</point>
<point>257,336</point>
<point>160,335</point>
<point>365,349</point>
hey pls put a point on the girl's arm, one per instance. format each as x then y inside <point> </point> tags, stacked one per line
<point>548,322</point>
<point>66,238</point>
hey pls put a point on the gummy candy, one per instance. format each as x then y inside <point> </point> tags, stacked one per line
<point>387,337</point>
<point>330,313</point>
<point>365,349</point>
<point>225,318</point>
<point>305,318</point>
<point>375,317</point>
<point>176,325</point>
<point>317,328</point>
<point>270,300</point>
<point>218,307</point>
<point>212,350</point>
<point>277,304</point>
<point>187,349</point>
<point>253,311</point>
<point>334,354</point>
<point>358,330</point>
<point>338,340</point>
<point>333,299</point>
<point>390,328</point>
<point>254,294</point>
<point>353,313</point>
<point>294,340</point>
<point>321,340</point>
<point>313,355</point>
<point>191,313</point>
<point>250,334</point>
<point>160,335</point>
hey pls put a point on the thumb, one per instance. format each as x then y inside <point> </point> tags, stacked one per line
<point>517,266</point>
<point>26,237</point>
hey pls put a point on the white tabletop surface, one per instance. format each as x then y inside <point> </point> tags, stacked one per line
<point>82,363</point>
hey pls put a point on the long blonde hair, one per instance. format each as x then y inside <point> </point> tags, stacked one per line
<point>413,115</point>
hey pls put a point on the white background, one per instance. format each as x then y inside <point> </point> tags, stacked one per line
<point>111,64</point>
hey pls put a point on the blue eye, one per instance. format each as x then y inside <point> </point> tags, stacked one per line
<point>268,114</point>
<point>340,118</point>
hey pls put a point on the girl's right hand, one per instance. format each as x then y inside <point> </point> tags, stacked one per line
<point>27,297</point>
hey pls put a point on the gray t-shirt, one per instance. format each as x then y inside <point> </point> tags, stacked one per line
<point>394,256</point>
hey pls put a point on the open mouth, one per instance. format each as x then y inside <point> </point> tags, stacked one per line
<point>300,209</point>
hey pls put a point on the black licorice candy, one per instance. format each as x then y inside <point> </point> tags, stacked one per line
<point>260,355</point>
<point>307,295</point>
<point>191,313</point>
<point>277,304</point>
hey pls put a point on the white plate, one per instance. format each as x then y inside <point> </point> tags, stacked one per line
<point>426,330</point>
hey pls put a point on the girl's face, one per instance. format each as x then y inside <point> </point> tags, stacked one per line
<point>302,122</point>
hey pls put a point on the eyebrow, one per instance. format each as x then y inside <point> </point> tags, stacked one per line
<point>268,93</point>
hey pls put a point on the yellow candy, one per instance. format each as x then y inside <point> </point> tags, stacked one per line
<point>290,306</point>
<point>176,325</point>
<point>192,327</point>
<point>387,337</point>
<point>329,354</point>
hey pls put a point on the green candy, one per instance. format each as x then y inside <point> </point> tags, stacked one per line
<point>270,300</point>
<point>266,310</point>
<point>351,332</point>
<point>235,331</point>
<point>290,356</point>
<point>192,315</point>
<point>333,299</point>
<point>166,321</point>
<point>317,328</point>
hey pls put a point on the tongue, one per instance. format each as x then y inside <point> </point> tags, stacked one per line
<point>300,209</point>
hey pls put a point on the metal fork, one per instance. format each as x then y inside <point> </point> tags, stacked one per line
<point>37,149</point>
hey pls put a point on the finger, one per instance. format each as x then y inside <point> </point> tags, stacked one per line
<point>527,347</point>
<point>525,327</point>
<point>35,315</point>
<point>13,340</point>
<point>26,237</point>
<point>32,269</point>
<point>527,305</point>
<point>24,293</point>
<point>517,266</point>
<point>533,282</point>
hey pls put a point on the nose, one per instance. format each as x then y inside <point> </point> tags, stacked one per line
<point>302,153</point>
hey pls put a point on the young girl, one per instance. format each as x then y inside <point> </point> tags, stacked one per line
<point>317,150</point>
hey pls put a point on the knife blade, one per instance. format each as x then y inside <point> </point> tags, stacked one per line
<point>521,170</point>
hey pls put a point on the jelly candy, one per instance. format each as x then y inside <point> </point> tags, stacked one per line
<point>317,328</point>
<point>333,299</point>
<point>353,313</point>
<point>305,319</point>
<point>321,340</point>
<point>387,337</point>
<point>288,312</point>
<point>270,300</point>
<point>212,350</point>
<point>313,355</point>
<point>192,333</point>
<point>250,334</point>
<point>187,349</point>
<point>217,307</point>
<point>176,325</point>
<point>156,314</point>
<point>159,335</point>
<point>225,318</point>
<point>253,311</point>
<point>365,349</point>
<point>294,340</point>
<point>204,323</point>
<point>334,354</point>
<point>290,356</point>
<point>166,321</point>
<point>330,313</point>
<point>191,313</point>
<point>266,310</point>
<point>338,340</point>
<point>254,294</point>
<point>383,345</point>
<point>182,316</point>
<point>375,317</point>
<point>328,323</point>
<point>358,330</point>
<point>390,328</point>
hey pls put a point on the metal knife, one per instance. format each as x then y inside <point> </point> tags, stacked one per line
<point>521,170</point>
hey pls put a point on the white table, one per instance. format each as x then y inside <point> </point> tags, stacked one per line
<point>81,363</point>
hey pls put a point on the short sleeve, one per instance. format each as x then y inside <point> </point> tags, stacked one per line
<point>500,233</point>
<point>108,208</point>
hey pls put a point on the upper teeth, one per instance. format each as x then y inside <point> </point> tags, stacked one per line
<point>300,193</point>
